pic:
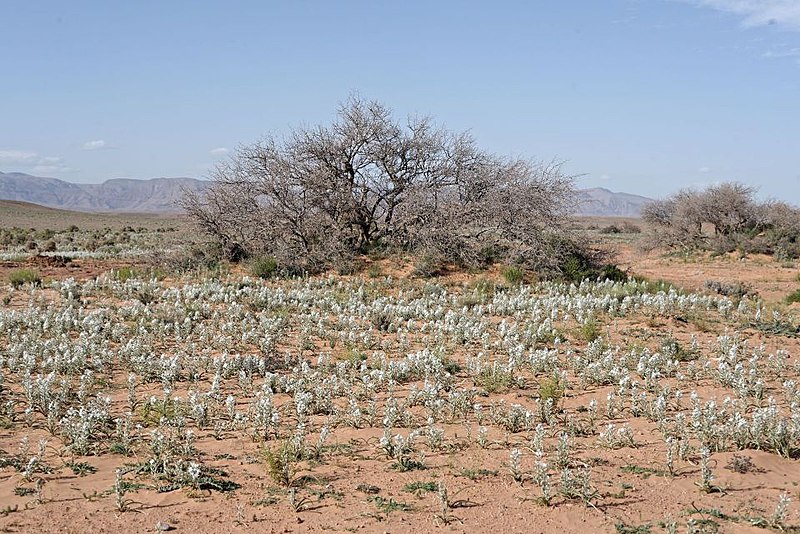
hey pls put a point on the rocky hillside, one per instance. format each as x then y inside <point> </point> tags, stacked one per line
<point>600,202</point>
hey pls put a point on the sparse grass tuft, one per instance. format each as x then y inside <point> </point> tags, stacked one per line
<point>793,297</point>
<point>513,275</point>
<point>419,487</point>
<point>622,528</point>
<point>21,277</point>
<point>390,505</point>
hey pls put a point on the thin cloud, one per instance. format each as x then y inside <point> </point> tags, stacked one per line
<point>784,13</point>
<point>704,170</point>
<point>218,152</point>
<point>786,52</point>
<point>31,161</point>
<point>97,144</point>
<point>18,157</point>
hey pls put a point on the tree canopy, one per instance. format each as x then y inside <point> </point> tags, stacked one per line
<point>322,195</point>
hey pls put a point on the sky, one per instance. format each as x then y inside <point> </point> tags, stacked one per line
<point>640,96</point>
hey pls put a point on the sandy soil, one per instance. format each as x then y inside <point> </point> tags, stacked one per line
<point>355,489</point>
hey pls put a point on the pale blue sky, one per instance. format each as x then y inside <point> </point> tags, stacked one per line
<point>639,96</point>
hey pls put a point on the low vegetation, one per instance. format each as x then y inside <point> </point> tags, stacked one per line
<point>22,277</point>
<point>290,395</point>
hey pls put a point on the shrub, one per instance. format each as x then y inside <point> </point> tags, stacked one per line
<point>590,330</point>
<point>551,389</point>
<point>374,271</point>
<point>21,277</point>
<point>264,267</point>
<point>427,266</point>
<point>793,297</point>
<point>408,186</point>
<point>123,274</point>
<point>724,218</point>
<point>630,228</point>
<point>205,258</point>
<point>513,275</point>
<point>613,273</point>
<point>580,266</point>
<point>732,289</point>
<point>627,227</point>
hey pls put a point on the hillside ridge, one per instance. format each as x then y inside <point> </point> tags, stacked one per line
<point>161,195</point>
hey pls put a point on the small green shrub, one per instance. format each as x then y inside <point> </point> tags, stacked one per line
<point>513,275</point>
<point>264,267</point>
<point>484,287</point>
<point>280,464</point>
<point>675,350</point>
<point>590,330</point>
<point>123,274</point>
<point>202,258</point>
<point>374,271</point>
<point>21,277</point>
<point>390,505</point>
<point>656,286</point>
<point>793,297</point>
<point>550,389</point>
<point>613,273</point>
<point>579,267</point>
<point>732,289</point>
<point>494,378</point>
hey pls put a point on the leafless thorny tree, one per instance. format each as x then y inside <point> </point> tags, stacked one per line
<point>322,195</point>
<point>725,217</point>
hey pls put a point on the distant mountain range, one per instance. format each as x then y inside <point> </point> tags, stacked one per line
<point>600,202</point>
<point>160,195</point>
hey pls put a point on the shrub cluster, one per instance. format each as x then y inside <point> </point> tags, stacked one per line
<point>321,197</point>
<point>724,218</point>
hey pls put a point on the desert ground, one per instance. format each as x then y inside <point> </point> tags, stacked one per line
<point>207,399</point>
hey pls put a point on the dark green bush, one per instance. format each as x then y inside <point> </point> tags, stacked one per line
<point>577,267</point>
<point>264,267</point>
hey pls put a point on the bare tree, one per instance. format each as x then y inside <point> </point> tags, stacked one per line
<point>325,194</point>
<point>729,207</point>
<point>724,217</point>
<point>679,219</point>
